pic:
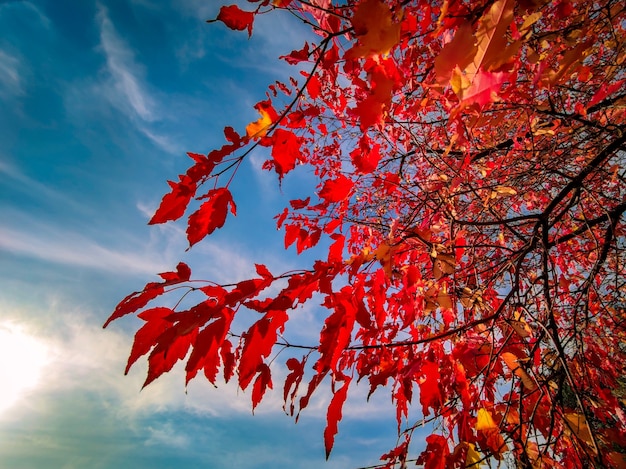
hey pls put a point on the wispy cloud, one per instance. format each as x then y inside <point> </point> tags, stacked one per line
<point>130,94</point>
<point>26,8</point>
<point>126,88</point>
<point>166,435</point>
<point>10,75</point>
<point>40,239</point>
<point>28,186</point>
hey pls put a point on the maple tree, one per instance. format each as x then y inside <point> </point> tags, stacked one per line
<point>471,190</point>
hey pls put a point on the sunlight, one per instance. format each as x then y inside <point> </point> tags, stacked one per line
<point>22,358</point>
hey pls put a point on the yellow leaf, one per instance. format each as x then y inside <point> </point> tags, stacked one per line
<point>505,190</point>
<point>473,457</point>
<point>459,81</point>
<point>484,420</point>
<point>258,128</point>
<point>373,25</point>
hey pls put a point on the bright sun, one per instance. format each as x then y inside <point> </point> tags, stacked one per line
<point>22,358</point>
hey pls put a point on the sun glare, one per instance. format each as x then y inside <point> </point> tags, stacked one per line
<point>22,358</point>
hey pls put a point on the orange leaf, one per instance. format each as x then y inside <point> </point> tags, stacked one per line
<point>473,457</point>
<point>512,361</point>
<point>373,25</point>
<point>258,128</point>
<point>491,40</point>
<point>578,425</point>
<point>459,52</point>
<point>443,264</point>
<point>484,420</point>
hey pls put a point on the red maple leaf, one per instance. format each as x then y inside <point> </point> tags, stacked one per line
<point>236,18</point>
<point>211,214</point>
<point>336,190</point>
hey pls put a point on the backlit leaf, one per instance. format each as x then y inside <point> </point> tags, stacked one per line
<point>484,420</point>
<point>333,416</point>
<point>211,214</point>
<point>175,203</point>
<point>259,128</point>
<point>236,18</point>
<point>374,26</point>
<point>336,190</point>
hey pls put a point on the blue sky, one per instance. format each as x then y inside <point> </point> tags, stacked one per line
<point>99,101</point>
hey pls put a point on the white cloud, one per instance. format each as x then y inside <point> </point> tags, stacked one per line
<point>27,185</point>
<point>51,244</point>
<point>25,8</point>
<point>10,75</point>
<point>166,435</point>
<point>128,89</point>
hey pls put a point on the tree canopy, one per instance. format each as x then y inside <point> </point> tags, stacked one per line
<point>468,225</point>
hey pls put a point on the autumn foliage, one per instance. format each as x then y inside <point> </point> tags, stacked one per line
<point>471,168</point>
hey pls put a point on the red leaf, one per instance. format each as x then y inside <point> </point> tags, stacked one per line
<point>175,203</point>
<point>430,395</point>
<point>436,453</point>
<point>236,18</point>
<point>249,288</point>
<point>293,380</point>
<point>171,348</point>
<point>482,89</point>
<point>335,335</point>
<point>145,338</point>
<point>135,301</point>
<point>370,111</point>
<point>211,215</point>
<point>313,87</point>
<point>205,166</point>
<point>313,384</point>
<point>206,351</point>
<point>261,383</point>
<point>365,160</point>
<point>398,454</point>
<point>182,274</point>
<point>302,238</point>
<point>298,204</point>
<point>297,56</point>
<point>138,300</point>
<point>336,190</point>
<point>335,251</point>
<point>333,415</point>
<point>285,151</point>
<point>228,360</point>
<point>605,91</point>
<point>259,340</point>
